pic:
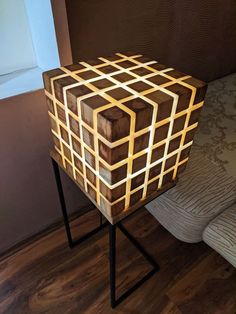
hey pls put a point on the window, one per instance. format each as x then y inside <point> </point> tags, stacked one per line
<point>28,45</point>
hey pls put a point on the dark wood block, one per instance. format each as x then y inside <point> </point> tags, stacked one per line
<point>175,74</point>
<point>137,181</point>
<point>135,197</point>
<point>61,114</point>
<point>155,171</point>
<point>158,153</point>
<point>94,62</point>
<point>59,84</point>
<point>113,176</point>
<point>88,75</point>
<point>161,133</point>
<point>69,168</point>
<point>184,94</point>
<point>79,179</point>
<point>152,187</point>
<point>158,79</point>
<point>113,124</point>
<point>76,145</point>
<point>92,192</point>
<point>123,77</point>
<point>185,153</point>
<point>170,162</point>
<point>73,94</point>
<point>90,104</point>
<point>74,126</point>
<point>53,124</point>
<point>140,86</point>
<point>74,67</point>
<point>189,135</point>
<point>91,176</point>
<point>56,141</point>
<point>178,124</point>
<point>174,144</point>
<point>66,152</point>
<point>158,66</point>
<point>50,105</point>
<point>103,83</point>
<point>139,163</point>
<point>112,194</point>
<point>108,69</point>
<point>47,76</point>
<point>165,103</point>
<point>113,210</point>
<point>89,158</point>
<point>141,71</point>
<point>141,142</point>
<point>143,111</point>
<point>119,93</point>
<point>168,178</point>
<point>88,138</point>
<point>181,168</point>
<point>113,155</point>
<point>64,134</point>
<point>201,89</point>
<point>78,164</point>
<point>126,64</point>
<point>194,116</point>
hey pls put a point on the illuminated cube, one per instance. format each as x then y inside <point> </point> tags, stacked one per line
<point>122,127</point>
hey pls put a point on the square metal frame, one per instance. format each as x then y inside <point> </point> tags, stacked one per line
<point>114,300</point>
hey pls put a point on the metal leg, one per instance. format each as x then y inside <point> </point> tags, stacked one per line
<point>62,201</point>
<point>139,247</point>
<point>100,217</point>
<point>112,244</point>
<point>71,242</point>
<point>112,257</point>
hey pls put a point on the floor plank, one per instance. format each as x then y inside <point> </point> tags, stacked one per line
<point>48,277</point>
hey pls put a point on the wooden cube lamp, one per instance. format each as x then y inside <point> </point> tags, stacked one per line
<point>122,127</point>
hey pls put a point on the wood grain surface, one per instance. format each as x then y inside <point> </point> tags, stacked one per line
<point>48,277</point>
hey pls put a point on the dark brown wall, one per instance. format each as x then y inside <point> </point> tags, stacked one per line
<point>28,196</point>
<point>62,31</point>
<point>197,37</point>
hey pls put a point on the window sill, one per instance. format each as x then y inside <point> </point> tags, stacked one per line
<point>20,82</point>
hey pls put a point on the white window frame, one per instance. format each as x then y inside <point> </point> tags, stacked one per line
<point>42,30</point>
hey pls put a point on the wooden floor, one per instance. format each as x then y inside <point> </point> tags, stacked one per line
<point>48,277</point>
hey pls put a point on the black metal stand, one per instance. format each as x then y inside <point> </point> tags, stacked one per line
<point>112,250</point>
<point>112,244</point>
<point>71,241</point>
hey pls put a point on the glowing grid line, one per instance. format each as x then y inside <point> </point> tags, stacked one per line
<point>134,155</point>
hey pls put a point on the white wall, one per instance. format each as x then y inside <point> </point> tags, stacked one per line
<point>16,46</point>
<point>43,33</point>
<point>27,43</point>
